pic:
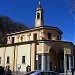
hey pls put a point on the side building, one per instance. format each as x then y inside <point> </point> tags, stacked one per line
<point>41,48</point>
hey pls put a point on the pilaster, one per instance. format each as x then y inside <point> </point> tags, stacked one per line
<point>3,60</point>
<point>33,56</point>
<point>16,58</point>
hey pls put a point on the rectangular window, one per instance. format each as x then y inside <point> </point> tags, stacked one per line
<point>12,39</point>
<point>0,60</point>
<point>49,35</point>
<point>7,60</point>
<point>58,37</point>
<point>23,59</point>
<point>35,36</point>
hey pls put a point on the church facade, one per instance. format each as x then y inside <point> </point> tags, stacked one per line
<point>41,48</point>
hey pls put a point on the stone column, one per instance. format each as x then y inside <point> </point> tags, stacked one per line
<point>67,52</point>
<point>69,63</point>
<point>43,63</point>
<point>65,63</point>
<point>48,62</point>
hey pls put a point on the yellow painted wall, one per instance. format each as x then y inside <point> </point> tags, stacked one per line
<point>9,52</point>
<point>23,50</point>
<point>2,52</point>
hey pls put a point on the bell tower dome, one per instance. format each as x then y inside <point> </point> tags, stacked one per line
<point>39,21</point>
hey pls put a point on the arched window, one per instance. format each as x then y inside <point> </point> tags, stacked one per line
<point>38,15</point>
<point>21,38</point>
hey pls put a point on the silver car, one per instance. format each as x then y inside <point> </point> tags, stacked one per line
<point>42,72</point>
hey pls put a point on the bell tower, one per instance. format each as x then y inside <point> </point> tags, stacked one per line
<point>39,16</point>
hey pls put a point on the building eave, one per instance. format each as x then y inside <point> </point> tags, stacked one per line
<point>37,28</point>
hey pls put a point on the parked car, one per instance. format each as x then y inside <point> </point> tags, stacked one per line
<point>42,72</point>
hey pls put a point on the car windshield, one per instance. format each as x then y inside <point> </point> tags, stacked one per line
<point>30,72</point>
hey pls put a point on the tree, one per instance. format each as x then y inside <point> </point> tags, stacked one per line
<point>9,26</point>
<point>17,26</point>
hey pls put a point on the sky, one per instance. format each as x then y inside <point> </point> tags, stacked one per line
<point>56,14</point>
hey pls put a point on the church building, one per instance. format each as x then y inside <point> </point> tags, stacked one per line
<point>40,47</point>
